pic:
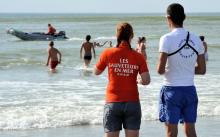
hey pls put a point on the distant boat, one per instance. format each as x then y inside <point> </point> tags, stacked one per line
<point>37,35</point>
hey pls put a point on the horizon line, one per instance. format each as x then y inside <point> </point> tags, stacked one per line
<point>103,12</point>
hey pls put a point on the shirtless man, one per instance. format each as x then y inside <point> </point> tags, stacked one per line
<point>53,57</point>
<point>88,47</point>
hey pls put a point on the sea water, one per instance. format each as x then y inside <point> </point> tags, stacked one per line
<point>32,97</point>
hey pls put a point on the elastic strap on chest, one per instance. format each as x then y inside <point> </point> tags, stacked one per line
<point>186,44</point>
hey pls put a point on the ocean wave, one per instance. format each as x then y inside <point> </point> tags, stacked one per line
<point>17,118</point>
<point>52,116</point>
<point>79,101</point>
<point>105,38</point>
<point>98,38</point>
<point>75,39</point>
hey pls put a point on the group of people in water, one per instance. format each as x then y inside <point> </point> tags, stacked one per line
<point>181,56</point>
<point>54,55</point>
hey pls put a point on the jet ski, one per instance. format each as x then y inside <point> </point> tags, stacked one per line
<point>37,35</point>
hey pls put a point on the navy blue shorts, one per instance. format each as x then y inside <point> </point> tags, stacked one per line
<point>178,104</point>
<point>127,114</point>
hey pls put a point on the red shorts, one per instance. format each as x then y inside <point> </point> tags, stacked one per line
<point>53,64</point>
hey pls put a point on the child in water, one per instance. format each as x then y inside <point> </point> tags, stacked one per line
<point>53,57</point>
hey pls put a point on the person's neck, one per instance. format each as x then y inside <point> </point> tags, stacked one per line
<point>124,42</point>
<point>173,26</point>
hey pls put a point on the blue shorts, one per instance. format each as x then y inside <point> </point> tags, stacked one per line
<point>117,114</point>
<point>178,104</point>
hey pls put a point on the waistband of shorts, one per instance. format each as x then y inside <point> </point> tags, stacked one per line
<point>178,86</point>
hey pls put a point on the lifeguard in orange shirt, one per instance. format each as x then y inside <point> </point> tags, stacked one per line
<point>122,98</point>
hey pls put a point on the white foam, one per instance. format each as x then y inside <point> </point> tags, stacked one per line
<point>217,110</point>
<point>105,38</point>
<point>75,39</point>
<point>80,100</point>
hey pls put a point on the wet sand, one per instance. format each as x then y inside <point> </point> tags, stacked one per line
<point>206,127</point>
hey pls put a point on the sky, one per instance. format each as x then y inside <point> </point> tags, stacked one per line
<point>104,6</point>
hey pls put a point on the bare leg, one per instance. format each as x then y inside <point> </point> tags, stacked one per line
<point>172,130</point>
<point>53,70</point>
<point>189,129</point>
<point>131,133</point>
<point>112,134</point>
<point>87,62</point>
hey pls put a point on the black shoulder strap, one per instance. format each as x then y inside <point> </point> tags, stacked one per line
<point>186,44</point>
<point>193,49</point>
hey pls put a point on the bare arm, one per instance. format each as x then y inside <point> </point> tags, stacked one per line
<point>145,78</point>
<point>162,63</point>
<point>206,47</point>
<point>48,58</point>
<point>94,51</point>
<point>81,51</point>
<point>96,71</point>
<point>201,65</point>
<point>60,56</point>
<point>110,43</point>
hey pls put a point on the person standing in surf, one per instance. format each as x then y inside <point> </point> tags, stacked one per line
<point>205,46</point>
<point>53,57</point>
<point>181,56</point>
<point>141,46</point>
<point>122,98</point>
<point>88,47</point>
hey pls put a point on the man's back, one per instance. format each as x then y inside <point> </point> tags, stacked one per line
<point>53,54</point>
<point>180,67</point>
<point>87,48</point>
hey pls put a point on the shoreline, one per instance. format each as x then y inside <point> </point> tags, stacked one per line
<point>205,126</point>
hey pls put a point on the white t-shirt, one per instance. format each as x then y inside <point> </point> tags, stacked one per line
<point>180,67</point>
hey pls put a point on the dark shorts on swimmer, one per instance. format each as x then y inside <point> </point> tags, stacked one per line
<point>178,104</point>
<point>87,57</point>
<point>53,64</point>
<point>127,114</point>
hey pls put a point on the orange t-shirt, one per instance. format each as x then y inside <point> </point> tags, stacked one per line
<point>123,66</point>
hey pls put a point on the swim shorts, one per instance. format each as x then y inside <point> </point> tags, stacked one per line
<point>117,114</point>
<point>53,64</point>
<point>178,104</point>
<point>88,57</point>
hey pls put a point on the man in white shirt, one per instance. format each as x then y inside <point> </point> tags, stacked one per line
<point>181,57</point>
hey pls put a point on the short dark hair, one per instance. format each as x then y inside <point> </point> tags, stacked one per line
<point>140,39</point>
<point>143,38</point>
<point>202,38</point>
<point>49,24</point>
<point>51,43</point>
<point>176,12</point>
<point>88,37</point>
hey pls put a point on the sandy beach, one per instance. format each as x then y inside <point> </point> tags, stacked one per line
<point>206,127</point>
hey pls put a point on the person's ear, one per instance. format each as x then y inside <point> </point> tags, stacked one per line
<point>169,21</point>
<point>168,18</point>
